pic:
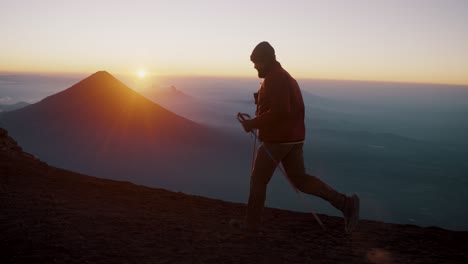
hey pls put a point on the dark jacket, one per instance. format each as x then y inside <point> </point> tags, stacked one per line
<point>280,109</point>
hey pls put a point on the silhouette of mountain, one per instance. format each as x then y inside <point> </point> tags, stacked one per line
<point>198,109</point>
<point>50,215</point>
<point>12,107</point>
<point>164,94</point>
<point>101,127</point>
<point>104,103</point>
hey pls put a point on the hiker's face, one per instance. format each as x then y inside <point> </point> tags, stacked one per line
<point>261,68</point>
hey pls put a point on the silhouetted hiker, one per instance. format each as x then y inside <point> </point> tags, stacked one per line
<point>280,123</point>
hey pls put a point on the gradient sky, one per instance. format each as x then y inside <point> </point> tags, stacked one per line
<point>397,40</point>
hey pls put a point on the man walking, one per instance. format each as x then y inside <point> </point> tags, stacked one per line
<point>280,123</point>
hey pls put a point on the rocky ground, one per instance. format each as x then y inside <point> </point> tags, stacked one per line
<point>49,215</point>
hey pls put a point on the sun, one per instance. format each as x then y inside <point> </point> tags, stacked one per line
<point>141,73</point>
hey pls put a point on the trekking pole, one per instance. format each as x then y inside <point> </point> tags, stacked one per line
<point>243,117</point>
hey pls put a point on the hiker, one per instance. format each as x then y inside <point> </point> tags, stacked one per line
<point>280,123</point>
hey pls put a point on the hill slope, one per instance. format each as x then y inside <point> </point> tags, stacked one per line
<point>102,106</point>
<point>101,127</point>
<point>12,107</point>
<point>49,215</point>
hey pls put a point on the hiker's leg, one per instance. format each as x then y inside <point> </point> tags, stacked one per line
<point>262,172</point>
<point>293,164</point>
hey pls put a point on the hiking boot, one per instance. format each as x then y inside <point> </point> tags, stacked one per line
<point>351,213</point>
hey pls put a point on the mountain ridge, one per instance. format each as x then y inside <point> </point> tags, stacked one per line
<point>101,126</point>
<point>104,95</point>
<point>101,102</point>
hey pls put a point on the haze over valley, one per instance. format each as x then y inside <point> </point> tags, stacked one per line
<point>400,146</point>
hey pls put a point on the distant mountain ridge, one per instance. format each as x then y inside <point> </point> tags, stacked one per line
<point>157,93</point>
<point>102,106</point>
<point>12,107</point>
<point>99,126</point>
<point>103,99</point>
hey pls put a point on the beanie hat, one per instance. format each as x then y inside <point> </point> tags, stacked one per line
<point>263,52</point>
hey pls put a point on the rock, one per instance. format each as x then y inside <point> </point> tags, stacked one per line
<point>10,147</point>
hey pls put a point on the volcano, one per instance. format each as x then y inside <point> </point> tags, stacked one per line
<point>99,126</point>
<point>101,106</point>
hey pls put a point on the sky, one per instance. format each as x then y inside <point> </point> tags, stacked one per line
<point>398,40</point>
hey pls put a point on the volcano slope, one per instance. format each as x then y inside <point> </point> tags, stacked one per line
<point>50,215</point>
<point>99,126</point>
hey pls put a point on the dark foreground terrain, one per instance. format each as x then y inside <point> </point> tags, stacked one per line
<point>49,215</point>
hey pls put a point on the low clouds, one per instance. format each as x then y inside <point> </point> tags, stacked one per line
<point>6,100</point>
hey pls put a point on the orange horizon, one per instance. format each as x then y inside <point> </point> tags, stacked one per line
<point>234,76</point>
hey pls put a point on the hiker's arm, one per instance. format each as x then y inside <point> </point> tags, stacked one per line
<point>279,100</point>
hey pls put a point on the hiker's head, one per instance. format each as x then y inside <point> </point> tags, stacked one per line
<point>263,56</point>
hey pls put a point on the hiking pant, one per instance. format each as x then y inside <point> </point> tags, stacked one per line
<point>291,156</point>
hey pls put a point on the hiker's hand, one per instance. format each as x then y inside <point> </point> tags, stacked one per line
<point>247,125</point>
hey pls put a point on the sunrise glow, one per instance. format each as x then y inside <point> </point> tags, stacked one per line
<point>409,41</point>
<point>141,73</point>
